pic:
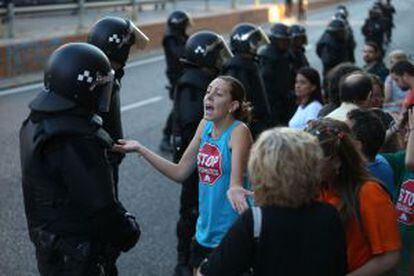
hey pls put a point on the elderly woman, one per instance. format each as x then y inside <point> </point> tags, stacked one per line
<point>299,236</point>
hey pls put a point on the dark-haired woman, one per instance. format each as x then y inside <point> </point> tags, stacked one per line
<point>309,97</point>
<point>372,235</point>
<point>220,151</point>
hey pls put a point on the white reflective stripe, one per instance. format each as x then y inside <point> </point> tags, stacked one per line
<point>257,221</point>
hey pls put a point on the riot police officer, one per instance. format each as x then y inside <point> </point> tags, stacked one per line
<point>277,74</point>
<point>204,55</point>
<point>74,220</point>
<point>342,14</point>
<point>298,40</point>
<point>388,10</point>
<point>245,40</point>
<point>173,43</point>
<point>374,27</point>
<point>332,46</point>
<point>115,36</point>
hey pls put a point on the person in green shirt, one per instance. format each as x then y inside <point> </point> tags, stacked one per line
<point>402,163</point>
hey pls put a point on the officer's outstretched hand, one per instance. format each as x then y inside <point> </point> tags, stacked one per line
<point>238,198</point>
<point>126,146</point>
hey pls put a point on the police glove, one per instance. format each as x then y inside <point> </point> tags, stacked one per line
<point>131,232</point>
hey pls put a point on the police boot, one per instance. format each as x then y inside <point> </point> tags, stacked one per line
<point>165,145</point>
<point>182,269</point>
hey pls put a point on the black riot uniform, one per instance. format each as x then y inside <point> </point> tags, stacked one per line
<point>342,14</point>
<point>332,46</point>
<point>75,222</point>
<point>388,11</point>
<point>115,36</point>
<point>297,49</point>
<point>374,27</point>
<point>173,43</point>
<point>278,75</point>
<point>205,53</point>
<point>245,40</point>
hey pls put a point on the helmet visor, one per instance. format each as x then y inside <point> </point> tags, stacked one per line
<point>224,53</point>
<point>260,38</point>
<point>141,40</point>
<point>103,87</point>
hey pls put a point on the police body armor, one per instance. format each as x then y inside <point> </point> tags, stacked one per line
<point>277,75</point>
<point>174,43</point>
<point>373,30</point>
<point>246,70</point>
<point>112,123</point>
<point>298,59</point>
<point>188,105</point>
<point>68,195</point>
<point>331,51</point>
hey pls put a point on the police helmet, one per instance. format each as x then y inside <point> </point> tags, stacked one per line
<point>336,25</point>
<point>115,36</point>
<point>77,74</point>
<point>375,12</point>
<point>179,20</point>
<point>339,15</point>
<point>206,49</point>
<point>247,38</point>
<point>279,31</point>
<point>342,9</point>
<point>298,32</point>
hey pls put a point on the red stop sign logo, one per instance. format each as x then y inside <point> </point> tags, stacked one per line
<point>405,203</point>
<point>209,164</point>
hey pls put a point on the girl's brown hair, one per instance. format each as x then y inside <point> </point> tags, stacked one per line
<point>238,93</point>
<point>336,141</point>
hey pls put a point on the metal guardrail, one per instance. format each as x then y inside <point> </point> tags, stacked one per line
<point>8,14</point>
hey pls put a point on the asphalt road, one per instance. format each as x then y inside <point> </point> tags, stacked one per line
<point>146,193</point>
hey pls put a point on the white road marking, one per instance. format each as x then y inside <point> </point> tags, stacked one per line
<point>38,85</point>
<point>21,89</point>
<point>141,103</point>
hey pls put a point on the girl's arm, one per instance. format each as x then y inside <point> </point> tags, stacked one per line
<point>176,172</point>
<point>240,143</point>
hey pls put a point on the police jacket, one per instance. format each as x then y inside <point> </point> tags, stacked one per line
<point>246,70</point>
<point>174,43</point>
<point>188,101</point>
<point>298,59</point>
<point>277,75</point>
<point>67,183</point>
<point>351,45</point>
<point>373,30</point>
<point>112,122</point>
<point>331,51</point>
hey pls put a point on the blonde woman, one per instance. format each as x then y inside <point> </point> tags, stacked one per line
<point>299,236</point>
